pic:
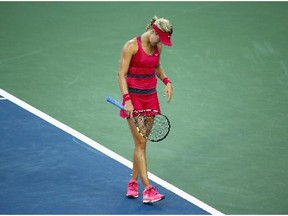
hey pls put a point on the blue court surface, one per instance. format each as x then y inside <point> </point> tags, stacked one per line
<point>48,168</point>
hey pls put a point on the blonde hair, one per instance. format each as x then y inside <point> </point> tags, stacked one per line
<point>161,23</point>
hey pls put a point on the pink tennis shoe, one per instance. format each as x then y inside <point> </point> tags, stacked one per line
<point>151,195</point>
<point>132,189</point>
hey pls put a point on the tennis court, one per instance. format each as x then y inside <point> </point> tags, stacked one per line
<point>63,145</point>
<point>60,171</point>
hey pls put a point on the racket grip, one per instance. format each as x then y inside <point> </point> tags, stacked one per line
<point>115,103</point>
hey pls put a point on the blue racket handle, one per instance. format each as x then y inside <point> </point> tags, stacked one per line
<point>114,102</point>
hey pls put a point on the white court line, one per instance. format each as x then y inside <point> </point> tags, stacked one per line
<point>107,152</point>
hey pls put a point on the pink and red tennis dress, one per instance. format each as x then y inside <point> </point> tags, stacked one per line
<point>142,81</point>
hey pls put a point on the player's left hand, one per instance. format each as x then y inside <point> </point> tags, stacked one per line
<point>168,92</point>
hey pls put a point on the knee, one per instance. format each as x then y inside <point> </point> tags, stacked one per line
<point>141,143</point>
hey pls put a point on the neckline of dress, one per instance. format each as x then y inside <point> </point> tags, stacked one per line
<point>144,50</point>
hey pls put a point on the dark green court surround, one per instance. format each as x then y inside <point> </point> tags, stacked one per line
<point>229,68</point>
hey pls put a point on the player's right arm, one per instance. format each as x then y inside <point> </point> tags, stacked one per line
<point>129,49</point>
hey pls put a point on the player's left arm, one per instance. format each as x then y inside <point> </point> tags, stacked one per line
<point>160,73</point>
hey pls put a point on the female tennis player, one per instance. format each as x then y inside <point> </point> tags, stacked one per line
<point>139,68</point>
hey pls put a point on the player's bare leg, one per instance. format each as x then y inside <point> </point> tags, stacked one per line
<point>139,155</point>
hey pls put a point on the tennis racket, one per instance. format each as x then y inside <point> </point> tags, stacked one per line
<point>151,124</point>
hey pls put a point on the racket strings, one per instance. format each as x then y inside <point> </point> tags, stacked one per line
<point>160,129</point>
<point>144,124</point>
<point>154,128</point>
